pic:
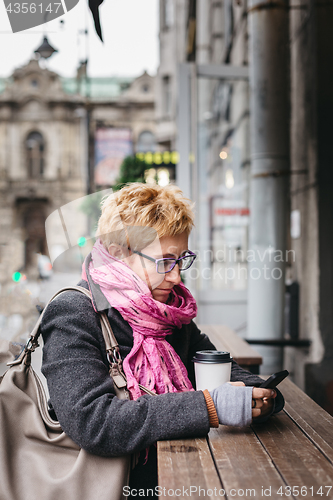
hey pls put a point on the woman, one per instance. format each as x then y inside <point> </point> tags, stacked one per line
<point>133,272</point>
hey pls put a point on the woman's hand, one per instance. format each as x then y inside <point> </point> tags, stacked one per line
<point>262,400</point>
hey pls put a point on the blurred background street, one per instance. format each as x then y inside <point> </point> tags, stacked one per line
<point>17,323</point>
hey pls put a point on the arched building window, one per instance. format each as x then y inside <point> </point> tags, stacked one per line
<point>146,142</point>
<point>35,149</point>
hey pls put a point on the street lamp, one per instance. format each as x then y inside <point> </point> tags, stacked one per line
<point>45,50</point>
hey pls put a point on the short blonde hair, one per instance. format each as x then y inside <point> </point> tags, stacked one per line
<point>163,209</point>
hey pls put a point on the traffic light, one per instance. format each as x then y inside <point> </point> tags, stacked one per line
<point>16,276</point>
<point>82,241</point>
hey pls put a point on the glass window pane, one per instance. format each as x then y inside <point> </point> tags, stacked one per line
<point>223,180</point>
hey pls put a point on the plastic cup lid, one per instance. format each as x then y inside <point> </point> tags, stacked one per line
<point>211,356</point>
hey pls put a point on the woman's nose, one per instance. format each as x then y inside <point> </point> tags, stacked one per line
<point>174,275</point>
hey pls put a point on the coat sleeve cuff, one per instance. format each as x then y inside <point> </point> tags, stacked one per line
<point>212,414</point>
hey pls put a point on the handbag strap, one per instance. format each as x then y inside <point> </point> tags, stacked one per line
<point>109,338</point>
<point>111,344</point>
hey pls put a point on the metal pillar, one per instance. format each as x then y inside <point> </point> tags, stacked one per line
<point>185,127</point>
<point>269,85</point>
<point>183,170</point>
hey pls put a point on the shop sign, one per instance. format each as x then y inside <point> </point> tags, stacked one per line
<point>112,145</point>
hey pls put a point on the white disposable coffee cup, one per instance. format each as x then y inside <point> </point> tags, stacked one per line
<point>212,368</point>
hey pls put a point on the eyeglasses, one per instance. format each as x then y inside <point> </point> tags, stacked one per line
<point>164,266</point>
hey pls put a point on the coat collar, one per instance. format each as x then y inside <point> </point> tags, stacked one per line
<point>98,298</point>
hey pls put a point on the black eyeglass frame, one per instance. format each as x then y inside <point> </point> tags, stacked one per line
<point>176,261</point>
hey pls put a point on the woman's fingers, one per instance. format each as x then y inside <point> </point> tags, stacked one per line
<point>259,393</point>
<point>257,406</point>
<point>261,399</point>
<point>237,383</point>
<point>257,403</point>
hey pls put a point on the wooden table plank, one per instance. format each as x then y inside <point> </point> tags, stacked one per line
<point>226,339</point>
<point>245,469</point>
<point>187,463</point>
<point>295,457</point>
<point>315,422</point>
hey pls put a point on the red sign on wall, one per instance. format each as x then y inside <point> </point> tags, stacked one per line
<point>232,211</point>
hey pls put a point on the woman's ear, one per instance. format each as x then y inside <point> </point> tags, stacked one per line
<point>116,251</point>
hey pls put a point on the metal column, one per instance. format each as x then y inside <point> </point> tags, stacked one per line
<point>183,170</point>
<point>270,167</point>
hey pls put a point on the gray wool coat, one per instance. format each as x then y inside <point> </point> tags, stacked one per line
<point>81,390</point>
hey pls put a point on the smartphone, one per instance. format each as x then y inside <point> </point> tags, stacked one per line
<point>274,379</point>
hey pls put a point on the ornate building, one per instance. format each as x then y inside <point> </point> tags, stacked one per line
<point>49,142</point>
<point>42,160</point>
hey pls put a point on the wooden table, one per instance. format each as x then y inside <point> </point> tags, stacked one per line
<point>226,339</point>
<point>290,456</point>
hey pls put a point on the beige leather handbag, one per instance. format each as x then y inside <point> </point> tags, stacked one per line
<point>37,460</point>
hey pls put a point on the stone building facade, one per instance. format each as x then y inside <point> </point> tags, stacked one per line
<point>42,161</point>
<point>172,40</point>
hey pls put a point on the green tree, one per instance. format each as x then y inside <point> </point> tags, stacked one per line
<point>132,170</point>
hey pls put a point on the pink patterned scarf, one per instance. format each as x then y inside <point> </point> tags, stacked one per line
<point>152,361</point>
